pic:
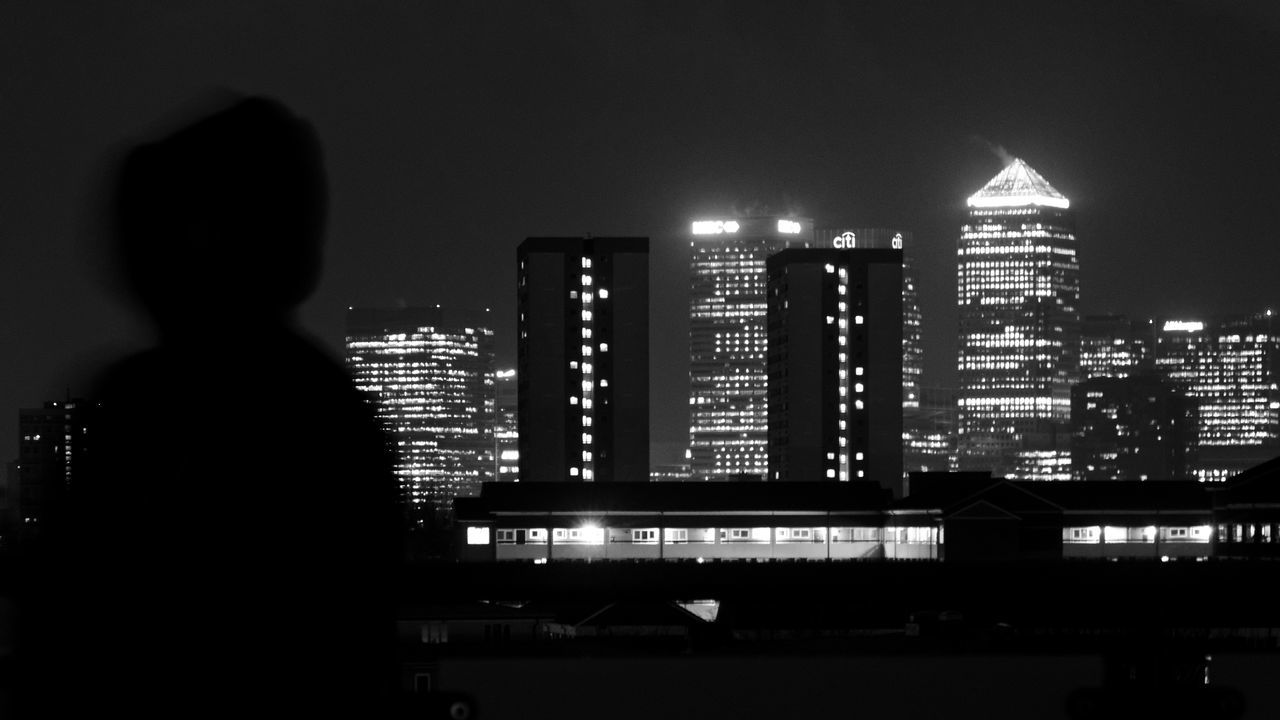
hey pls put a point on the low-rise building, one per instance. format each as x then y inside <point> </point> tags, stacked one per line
<point>953,517</point>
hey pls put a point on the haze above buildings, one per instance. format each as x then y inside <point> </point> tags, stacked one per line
<point>454,132</point>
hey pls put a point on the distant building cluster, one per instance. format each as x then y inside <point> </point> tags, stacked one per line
<point>806,365</point>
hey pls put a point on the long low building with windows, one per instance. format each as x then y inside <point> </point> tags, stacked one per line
<point>955,517</point>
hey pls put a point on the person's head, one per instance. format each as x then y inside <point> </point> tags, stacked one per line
<point>224,219</point>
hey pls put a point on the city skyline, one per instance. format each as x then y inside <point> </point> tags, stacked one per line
<point>312,278</point>
<point>414,219</point>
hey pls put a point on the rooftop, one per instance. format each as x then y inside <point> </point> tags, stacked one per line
<point>1017,185</point>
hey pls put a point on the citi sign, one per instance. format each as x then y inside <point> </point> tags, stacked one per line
<point>844,241</point>
<point>848,241</point>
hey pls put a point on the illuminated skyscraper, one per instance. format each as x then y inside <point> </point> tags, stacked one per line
<point>431,375</point>
<point>1019,291</point>
<point>912,347</point>
<point>728,409</point>
<point>835,360</point>
<point>583,371</point>
<point>1231,365</point>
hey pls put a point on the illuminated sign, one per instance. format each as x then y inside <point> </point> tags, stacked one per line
<point>897,241</point>
<point>715,227</point>
<point>1183,326</point>
<point>790,227</point>
<point>1019,201</point>
<point>844,241</point>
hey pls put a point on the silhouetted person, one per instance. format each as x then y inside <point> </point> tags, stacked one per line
<point>233,532</point>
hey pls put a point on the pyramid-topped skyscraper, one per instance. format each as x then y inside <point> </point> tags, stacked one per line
<point>1019,297</point>
<point>1016,186</point>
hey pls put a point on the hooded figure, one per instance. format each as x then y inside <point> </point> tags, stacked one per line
<point>231,538</point>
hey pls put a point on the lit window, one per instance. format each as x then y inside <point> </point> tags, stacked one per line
<point>477,536</point>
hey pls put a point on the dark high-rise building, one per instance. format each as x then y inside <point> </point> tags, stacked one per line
<point>52,442</point>
<point>583,369</point>
<point>1231,366</point>
<point>835,365</point>
<point>1136,427</point>
<point>9,502</point>
<point>912,346</point>
<point>728,416</point>
<point>1114,346</point>
<point>1019,292</point>
<point>430,373</point>
<point>506,436</point>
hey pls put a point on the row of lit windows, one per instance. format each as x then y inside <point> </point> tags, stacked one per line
<point>591,534</point>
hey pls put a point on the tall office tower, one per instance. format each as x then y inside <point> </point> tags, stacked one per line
<point>584,359</point>
<point>728,414</point>
<point>506,436</point>
<point>52,442</point>
<point>1231,365</point>
<point>1114,346</point>
<point>430,373</point>
<point>835,365</point>
<point>912,347</point>
<point>1136,427</point>
<point>1019,289</point>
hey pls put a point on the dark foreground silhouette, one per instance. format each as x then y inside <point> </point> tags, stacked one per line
<point>231,536</point>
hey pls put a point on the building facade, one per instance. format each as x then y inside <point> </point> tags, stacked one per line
<point>958,517</point>
<point>728,413</point>
<point>430,374</point>
<point>51,444</point>
<point>1229,365</point>
<point>583,371</point>
<point>929,432</point>
<point>1136,427</point>
<point>834,365</point>
<point>1019,292</point>
<point>1115,346</point>
<point>912,345</point>
<point>506,435</point>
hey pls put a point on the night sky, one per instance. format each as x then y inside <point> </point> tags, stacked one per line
<point>454,130</point>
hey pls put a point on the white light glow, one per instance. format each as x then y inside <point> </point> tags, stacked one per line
<point>1019,201</point>
<point>790,227</point>
<point>592,534</point>
<point>1183,326</point>
<point>715,227</point>
<point>477,536</point>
